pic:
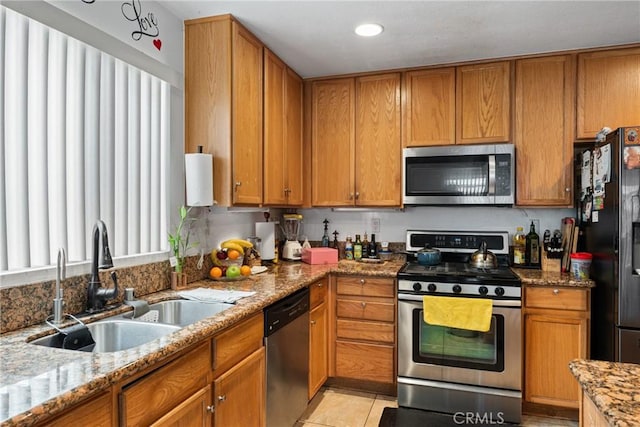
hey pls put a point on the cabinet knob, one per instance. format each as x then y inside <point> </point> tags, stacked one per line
<point>567,189</point>
<point>211,408</point>
<point>313,322</point>
<point>222,398</point>
<point>362,281</point>
<point>237,184</point>
<point>350,196</point>
<point>357,194</point>
<point>363,304</point>
<point>320,284</point>
<point>556,291</point>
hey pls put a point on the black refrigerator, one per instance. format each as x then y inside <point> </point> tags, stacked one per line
<point>610,217</point>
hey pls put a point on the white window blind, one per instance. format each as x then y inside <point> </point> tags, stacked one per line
<point>83,136</point>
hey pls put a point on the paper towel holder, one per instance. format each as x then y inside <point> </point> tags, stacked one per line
<point>199,178</point>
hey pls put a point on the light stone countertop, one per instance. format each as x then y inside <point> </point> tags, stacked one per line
<point>613,387</point>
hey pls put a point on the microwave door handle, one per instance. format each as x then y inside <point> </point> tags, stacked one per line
<point>492,174</point>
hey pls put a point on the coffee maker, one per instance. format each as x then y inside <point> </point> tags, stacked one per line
<point>291,224</point>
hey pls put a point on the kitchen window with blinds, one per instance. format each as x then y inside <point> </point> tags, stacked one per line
<point>83,136</point>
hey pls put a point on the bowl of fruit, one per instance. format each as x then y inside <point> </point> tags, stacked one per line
<point>228,260</point>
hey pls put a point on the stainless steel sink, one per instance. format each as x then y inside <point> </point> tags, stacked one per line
<point>185,312</point>
<point>116,335</point>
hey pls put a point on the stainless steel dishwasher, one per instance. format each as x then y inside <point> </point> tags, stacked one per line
<point>286,332</point>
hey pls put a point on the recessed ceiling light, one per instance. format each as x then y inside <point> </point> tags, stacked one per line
<point>369,30</point>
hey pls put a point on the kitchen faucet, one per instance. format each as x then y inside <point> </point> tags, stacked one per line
<point>96,294</point>
<point>61,274</point>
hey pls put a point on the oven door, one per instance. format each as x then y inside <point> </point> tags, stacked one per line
<point>490,359</point>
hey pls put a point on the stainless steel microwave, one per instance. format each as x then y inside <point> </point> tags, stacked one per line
<point>459,175</point>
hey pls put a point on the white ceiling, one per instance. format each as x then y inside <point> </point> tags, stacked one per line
<point>316,37</point>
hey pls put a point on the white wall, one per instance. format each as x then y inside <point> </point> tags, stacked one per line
<point>394,224</point>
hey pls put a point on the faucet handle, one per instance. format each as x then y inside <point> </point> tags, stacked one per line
<point>128,294</point>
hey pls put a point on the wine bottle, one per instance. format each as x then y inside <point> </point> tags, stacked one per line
<point>357,248</point>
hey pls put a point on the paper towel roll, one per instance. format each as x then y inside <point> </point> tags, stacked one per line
<point>199,179</point>
<point>267,232</point>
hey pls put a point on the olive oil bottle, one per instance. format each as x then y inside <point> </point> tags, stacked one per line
<point>532,247</point>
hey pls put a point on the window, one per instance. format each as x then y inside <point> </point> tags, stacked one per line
<point>83,136</point>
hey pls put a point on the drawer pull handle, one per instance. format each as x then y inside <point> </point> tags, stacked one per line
<point>363,304</point>
<point>222,398</point>
<point>211,408</point>
<point>320,284</point>
<point>313,322</point>
<point>362,281</point>
<point>556,291</point>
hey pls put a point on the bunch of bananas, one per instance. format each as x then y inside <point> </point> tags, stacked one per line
<point>230,249</point>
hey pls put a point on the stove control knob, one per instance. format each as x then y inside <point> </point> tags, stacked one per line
<point>417,286</point>
<point>431,287</point>
<point>499,291</point>
<point>457,289</point>
<point>483,290</point>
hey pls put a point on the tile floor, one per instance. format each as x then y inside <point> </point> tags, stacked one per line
<point>333,407</point>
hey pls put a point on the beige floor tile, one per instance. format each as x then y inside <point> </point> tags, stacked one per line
<point>339,408</point>
<point>379,404</point>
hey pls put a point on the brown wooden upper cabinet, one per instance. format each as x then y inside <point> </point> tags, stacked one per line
<point>356,145</point>
<point>608,90</point>
<point>483,108</point>
<point>543,130</point>
<point>223,105</point>
<point>282,133</point>
<point>430,107</point>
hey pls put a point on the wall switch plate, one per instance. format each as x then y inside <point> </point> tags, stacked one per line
<point>375,225</point>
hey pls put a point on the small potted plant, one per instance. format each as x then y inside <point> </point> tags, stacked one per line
<point>179,242</point>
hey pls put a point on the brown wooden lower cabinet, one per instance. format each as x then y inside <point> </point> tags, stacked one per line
<point>556,332</point>
<point>239,393</point>
<point>156,394</point>
<point>318,342</point>
<point>193,412</point>
<point>363,340</point>
<point>96,411</point>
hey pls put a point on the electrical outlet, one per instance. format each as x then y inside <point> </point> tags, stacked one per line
<point>375,225</point>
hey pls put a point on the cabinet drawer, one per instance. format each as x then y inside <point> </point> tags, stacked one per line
<point>557,298</point>
<point>365,310</point>
<point>236,343</point>
<point>317,293</point>
<point>366,286</point>
<point>149,398</point>
<point>368,331</point>
<point>372,362</point>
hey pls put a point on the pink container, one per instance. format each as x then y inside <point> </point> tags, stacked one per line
<point>320,256</point>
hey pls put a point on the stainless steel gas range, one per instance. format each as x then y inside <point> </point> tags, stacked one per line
<point>456,371</point>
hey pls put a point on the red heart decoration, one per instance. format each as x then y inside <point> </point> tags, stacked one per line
<point>157,43</point>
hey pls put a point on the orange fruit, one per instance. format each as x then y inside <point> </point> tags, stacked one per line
<point>245,270</point>
<point>233,254</point>
<point>215,272</point>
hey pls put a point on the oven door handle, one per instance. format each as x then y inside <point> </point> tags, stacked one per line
<point>496,302</point>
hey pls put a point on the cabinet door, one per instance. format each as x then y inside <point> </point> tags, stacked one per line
<point>293,137</point>
<point>378,164</point>
<point>483,109</point>
<point>431,107</point>
<point>193,412</point>
<point>608,90</point>
<point>275,162</point>
<point>97,411</point>
<point>552,340</point>
<point>239,393</point>
<point>246,117</point>
<point>318,348</point>
<point>332,142</point>
<point>543,131</point>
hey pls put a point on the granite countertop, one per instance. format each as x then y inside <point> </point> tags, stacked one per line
<point>38,382</point>
<point>612,387</point>
<point>533,277</point>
